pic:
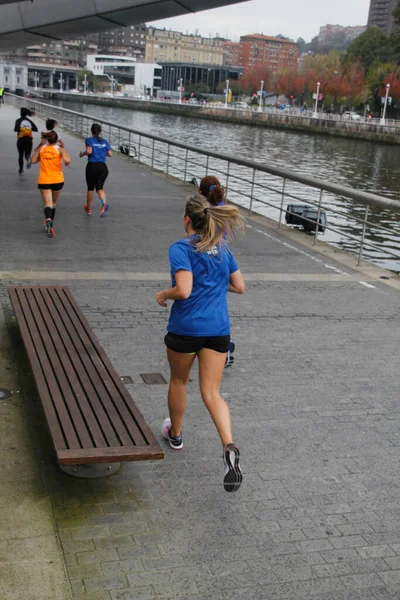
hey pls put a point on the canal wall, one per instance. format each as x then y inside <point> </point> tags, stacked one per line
<point>344,129</point>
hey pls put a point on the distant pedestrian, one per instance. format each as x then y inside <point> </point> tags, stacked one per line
<point>24,129</point>
<point>212,190</point>
<point>1,95</point>
<point>51,177</point>
<point>203,271</point>
<point>51,125</point>
<point>97,151</point>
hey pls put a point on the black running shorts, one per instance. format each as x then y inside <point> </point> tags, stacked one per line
<point>187,344</point>
<point>54,187</point>
<point>96,175</point>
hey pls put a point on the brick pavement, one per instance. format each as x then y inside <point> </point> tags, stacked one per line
<point>314,401</point>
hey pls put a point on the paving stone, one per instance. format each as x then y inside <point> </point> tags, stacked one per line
<point>85,558</point>
<point>144,593</point>
<point>382,551</point>
<point>94,584</point>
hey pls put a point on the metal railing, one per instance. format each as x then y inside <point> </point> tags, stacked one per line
<point>354,217</point>
<point>380,126</point>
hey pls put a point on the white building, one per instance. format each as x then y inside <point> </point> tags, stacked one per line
<point>131,77</point>
<point>13,77</point>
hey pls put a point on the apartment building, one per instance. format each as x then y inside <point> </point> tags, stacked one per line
<point>380,15</point>
<point>273,53</point>
<point>328,34</point>
<point>231,53</point>
<point>164,45</point>
<point>128,41</point>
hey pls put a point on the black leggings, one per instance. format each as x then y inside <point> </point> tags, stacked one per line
<point>24,146</point>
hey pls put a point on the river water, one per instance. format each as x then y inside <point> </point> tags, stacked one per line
<point>367,166</point>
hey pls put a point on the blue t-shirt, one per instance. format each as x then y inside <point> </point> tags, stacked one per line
<point>100,148</point>
<point>205,312</point>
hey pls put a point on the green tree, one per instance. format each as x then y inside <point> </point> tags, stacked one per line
<point>90,78</point>
<point>367,47</point>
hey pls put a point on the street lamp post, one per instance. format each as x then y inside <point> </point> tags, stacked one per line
<point>180,90</point>
<point>61,82</point>
<point>385,105</point>
<point>261,96</point>
<point>112,81</point>
<point>36,80</point>
<point>227,93</point>
<point>171,87</point>
<point>85,84</point>
<point>315,115</point>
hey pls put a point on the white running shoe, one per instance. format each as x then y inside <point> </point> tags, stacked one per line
<point>175,442</point>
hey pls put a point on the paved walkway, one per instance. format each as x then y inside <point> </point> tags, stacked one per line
<point>313,394</point>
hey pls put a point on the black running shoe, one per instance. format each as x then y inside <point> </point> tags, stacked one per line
<point>232,472</point>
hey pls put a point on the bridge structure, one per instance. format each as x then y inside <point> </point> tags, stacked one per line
<point>27,23</point>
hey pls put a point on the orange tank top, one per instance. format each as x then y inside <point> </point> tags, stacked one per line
<point>50,165</point>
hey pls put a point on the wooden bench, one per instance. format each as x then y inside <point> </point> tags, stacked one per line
<point>91,416</point>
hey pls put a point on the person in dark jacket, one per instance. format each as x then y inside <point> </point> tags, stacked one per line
<point>24,129</point>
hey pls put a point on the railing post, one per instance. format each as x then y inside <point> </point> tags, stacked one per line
<point>227,180</point>
<point>152,156</point>
<point>140,147</point>
<point>318,217</point>
<point>186,161</point>
<point>119,138</point>
<point>207,165</point>
<point>168,160</point>
<point>129,144</point>
<point>252,191</point>
<point>282,201</point>
<point>363,236</point>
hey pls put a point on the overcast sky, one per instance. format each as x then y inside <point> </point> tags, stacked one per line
<point>292,18</point>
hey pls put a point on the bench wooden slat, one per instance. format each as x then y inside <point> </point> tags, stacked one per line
<point>132,426</point>
<point>125,433</point>
<point>74,369</point>
<point>91,415</point>
<point>99,455</point>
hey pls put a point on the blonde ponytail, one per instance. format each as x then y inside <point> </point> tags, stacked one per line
<point>212,223</point>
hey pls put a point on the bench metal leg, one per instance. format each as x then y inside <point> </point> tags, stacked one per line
<point>94,471</point>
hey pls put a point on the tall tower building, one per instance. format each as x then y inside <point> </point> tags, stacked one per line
<point>380,15</point>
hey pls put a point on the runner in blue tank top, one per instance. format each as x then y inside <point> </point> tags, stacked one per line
<point>211,189</point>
<point>203,271</point>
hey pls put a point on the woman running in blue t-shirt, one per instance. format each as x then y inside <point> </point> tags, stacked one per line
<point>97,150</point>
<point>203,271</point>
<point>211,189</point>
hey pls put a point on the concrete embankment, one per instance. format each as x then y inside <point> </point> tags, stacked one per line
<point>352,130</point>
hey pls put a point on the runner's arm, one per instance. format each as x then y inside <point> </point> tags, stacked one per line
<point>109,153</point>
<point>36,155</point>
<point>66,157</point>
<point>181,291</point>
<point>60,143</point>
<point>34,128</point>
<point>17,126</point>
<point>236,283</point>
<point>87,152</point>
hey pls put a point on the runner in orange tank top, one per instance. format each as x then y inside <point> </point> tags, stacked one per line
<point>51,177</point>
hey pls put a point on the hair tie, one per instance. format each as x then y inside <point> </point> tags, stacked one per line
<point>206,211</point>
<point>212,187</point>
